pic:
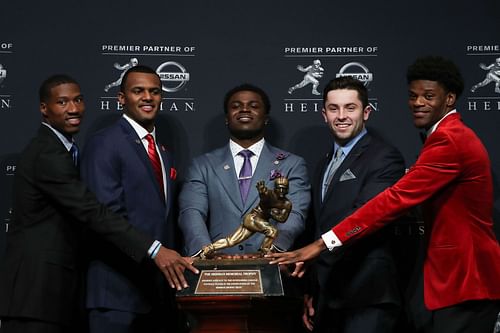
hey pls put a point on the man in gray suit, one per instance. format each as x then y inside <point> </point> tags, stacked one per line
<point>212,203</point>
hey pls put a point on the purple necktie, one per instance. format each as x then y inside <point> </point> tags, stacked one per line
<point>245,177</point>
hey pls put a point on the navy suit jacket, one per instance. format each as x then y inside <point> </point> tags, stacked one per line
<point>52,208</point>
<point>211,207</point>
<point>364,274</point>
<point>116,167</point>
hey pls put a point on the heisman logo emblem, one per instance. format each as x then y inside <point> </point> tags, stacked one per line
<point>180,77</point>
<point>133,62</point>
<point>3,73</point>
<point>313,73</point>
<point>493,75</point>
<point>364,75</point>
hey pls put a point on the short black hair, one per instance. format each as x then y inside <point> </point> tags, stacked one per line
<point>136,69</point>
<point>439,69</point>
<point>248,87</point>
<point>350,83</point>
<point>51,82</point>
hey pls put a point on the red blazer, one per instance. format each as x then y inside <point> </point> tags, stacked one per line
<point>452,180</point>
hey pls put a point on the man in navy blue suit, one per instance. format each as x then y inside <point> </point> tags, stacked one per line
<point>134,176</point>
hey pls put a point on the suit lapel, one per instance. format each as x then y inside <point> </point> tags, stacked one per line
<point>264,166</point>
<point>167,163</point>
<point>347,163</point>
<point>138,147</point>
<point>223,167</point>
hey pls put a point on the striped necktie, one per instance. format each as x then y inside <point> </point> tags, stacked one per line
<point>155,161</point>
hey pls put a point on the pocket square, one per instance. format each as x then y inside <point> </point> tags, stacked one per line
<point>347,175</point>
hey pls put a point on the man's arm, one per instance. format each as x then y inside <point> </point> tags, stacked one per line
<point>193,210</point>
<point>59,180</point>
<point>437,166</point>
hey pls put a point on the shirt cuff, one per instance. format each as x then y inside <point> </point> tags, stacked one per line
<point>331,240</point>
<point>153,249</point>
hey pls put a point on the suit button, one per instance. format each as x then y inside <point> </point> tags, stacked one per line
<point>240,247</point>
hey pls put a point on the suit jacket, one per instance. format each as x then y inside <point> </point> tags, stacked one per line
<point>39,278</point>
<point>365,274</point>
<point>117,169</point>
<point>452,180</point>
<point>211,207</point>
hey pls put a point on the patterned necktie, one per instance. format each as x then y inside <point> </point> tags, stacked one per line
<point>332,168</point>
<point>74,154</point>
<point>245,177</point>
<point>155,161</point>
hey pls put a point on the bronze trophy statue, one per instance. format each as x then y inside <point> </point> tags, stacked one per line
<point>250,274</point>
<point>273,204</point>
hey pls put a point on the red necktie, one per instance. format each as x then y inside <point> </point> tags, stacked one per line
<point>155,161</point>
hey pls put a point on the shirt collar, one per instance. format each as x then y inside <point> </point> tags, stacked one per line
<point>433,128</point>
<point>65,141</point>
<point>256,148</point>
<point>348,147</point>
<point>141,131</point>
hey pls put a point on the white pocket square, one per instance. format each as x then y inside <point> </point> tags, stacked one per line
<point>347,175</point>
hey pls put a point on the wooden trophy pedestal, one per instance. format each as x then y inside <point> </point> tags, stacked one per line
<point>234,314</point>
<point>242,295</point>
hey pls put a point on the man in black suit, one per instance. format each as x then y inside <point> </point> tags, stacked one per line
<point>355,292</point>
<point>39,280</point>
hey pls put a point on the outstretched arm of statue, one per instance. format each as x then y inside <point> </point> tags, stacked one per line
<point>261,187</point>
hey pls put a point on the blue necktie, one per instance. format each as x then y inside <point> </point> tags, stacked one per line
<point>332,168</point>
<point>245,177</point>
<point>74,153</point>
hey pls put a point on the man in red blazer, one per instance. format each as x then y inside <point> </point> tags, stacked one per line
<point>452,181</point>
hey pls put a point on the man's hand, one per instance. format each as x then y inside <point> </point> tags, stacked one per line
<point>306,253</point>
<point>172,265</point>
<point>308,312</point>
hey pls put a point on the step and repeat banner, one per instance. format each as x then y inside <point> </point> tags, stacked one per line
<point>201,49</point>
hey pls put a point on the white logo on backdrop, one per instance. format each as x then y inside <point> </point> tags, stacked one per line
<point>133,62</point>
<point>3,73</point>
<point>313,73</point>
<point>364,75</point>
<point>179,76</point>
<point>493,75</point>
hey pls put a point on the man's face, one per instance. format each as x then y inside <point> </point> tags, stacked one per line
<point>429,102</point>
<point>141,98</point>
<point>246,116</point>
<point>344,114</point>
<point>64,108</point>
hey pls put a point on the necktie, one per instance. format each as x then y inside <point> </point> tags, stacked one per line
<point>245,177</point>
<point>74,153</point>
<point>155,161</point>
<point>332,168</point>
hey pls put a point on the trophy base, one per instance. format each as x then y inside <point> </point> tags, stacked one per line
<point>235,276</point>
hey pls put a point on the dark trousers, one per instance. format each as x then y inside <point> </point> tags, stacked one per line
<point>22,325</point>
<point>160,320</point>
<point>471,316</point>
<point>380,318</point>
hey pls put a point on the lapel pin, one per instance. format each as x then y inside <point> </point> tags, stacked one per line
<point>226,167</point>
<point>138,141</point>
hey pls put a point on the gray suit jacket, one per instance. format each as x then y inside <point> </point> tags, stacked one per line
<point>211,207</point>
